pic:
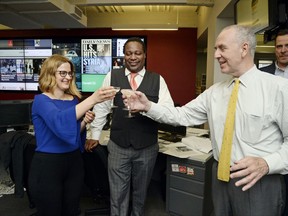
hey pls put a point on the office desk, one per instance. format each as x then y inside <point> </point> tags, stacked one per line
<point>188,186</point>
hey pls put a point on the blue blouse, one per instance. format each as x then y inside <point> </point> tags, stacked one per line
<point>56,128</point>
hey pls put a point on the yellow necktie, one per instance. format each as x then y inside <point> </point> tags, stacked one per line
<point>225,154</point>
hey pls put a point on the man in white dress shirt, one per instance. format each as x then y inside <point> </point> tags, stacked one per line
<point>133,144</point>
<point>260,140</point>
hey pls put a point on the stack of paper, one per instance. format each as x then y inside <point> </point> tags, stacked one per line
<point>198,143</point>
<point>180,150</point>
<point>193,145</point>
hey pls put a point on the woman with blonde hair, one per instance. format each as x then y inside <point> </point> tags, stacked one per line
<point>56,175</point>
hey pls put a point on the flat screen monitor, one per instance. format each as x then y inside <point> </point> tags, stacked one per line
<point>20,63</point>
<point>15,113</point>
<point>99,56</point>
<point>261,15</point>
<point>93,58</point>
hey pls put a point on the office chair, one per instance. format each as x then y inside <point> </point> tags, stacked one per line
<point>16,151</point>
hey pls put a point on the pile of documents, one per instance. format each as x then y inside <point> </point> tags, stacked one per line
<point>194,144</point>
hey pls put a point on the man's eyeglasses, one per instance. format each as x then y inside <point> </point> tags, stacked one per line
<point>64,73</point>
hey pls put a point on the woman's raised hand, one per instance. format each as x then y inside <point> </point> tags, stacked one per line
<point>104,93</point>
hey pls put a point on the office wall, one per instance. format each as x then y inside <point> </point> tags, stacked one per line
<point>170,53</point>
<point>214,19</point>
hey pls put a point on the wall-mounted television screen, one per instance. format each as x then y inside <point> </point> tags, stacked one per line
<point>98,57</point>
<point>260,15</point>
<point>20,63</point>
<point>93,58</point>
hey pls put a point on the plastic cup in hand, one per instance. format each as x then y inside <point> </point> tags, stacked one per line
<point>128,93</point>
<point>117,89</point>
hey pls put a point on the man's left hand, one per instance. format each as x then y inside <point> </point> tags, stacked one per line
<point>250,170</point>
<point>90,144</point>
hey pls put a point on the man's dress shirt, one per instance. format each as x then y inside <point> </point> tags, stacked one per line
<point>261,120</point>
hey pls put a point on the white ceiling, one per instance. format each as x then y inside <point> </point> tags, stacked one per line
<point>41,14</point>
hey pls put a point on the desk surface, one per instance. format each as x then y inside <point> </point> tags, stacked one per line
<point>202,157</point>
<point>105,136</point>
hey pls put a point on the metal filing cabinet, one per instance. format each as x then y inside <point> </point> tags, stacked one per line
<point>188,188</point>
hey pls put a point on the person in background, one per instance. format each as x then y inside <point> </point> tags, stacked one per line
<point>133,144</point>
<point>259,155</point>
<point>279,67</point>
<point>56,175</point>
